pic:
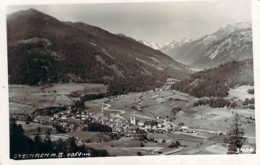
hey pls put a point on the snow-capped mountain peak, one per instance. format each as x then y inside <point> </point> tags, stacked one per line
<point>153,45</point>
<point>236,26</point>
<point>175,43</point>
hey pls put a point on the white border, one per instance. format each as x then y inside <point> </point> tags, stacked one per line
<point>253,159</point>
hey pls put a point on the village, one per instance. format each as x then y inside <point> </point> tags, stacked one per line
<point>77,118</point>
<point>71,121</point>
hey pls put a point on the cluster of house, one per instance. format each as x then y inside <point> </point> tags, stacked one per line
<point>73,121</point>
<point>160,125</point>
<point>66,115</point>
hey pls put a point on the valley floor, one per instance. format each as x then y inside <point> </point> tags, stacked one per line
<point>198,129</point>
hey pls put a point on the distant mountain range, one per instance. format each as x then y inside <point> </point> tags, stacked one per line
<point>42,50</point>
<point>229,43</point>
<point>166,46</point>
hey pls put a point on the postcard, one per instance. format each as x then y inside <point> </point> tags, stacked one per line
<point>121,80</point>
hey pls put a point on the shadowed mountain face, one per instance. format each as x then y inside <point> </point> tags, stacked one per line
<point>42,49</point>
<point>217,81</point>
<point>230,43</point>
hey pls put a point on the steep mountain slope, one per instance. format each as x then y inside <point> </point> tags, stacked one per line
<point>232,42</point>
<point>42,49</point>
<point>218,81</point>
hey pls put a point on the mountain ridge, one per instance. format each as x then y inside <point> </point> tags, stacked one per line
<point>216,82</point>
<point>65,51</point>
<point>229,43</point>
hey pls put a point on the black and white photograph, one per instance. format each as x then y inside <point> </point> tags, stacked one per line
<point>130,79</point>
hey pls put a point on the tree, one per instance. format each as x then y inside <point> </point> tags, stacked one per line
<point>96,127</point>
<point>175,110</point>
<point>19,143</point>
<point>47,143</point>
<point>28,119</point>
<point>174,144</point>
<point>178,143</point>
<point>59,145</point>
<point>139,154</point>
<point>235,136</point>
<point>71,145</point>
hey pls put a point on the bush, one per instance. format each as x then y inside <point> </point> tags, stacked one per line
<point>175,110</point>
<point>251,91</point>
<point>178,143</point>
<point>139,154</point>
<point>219,102</point>
<point>251,107</point>
<point>96,127</point>
<point>214,102</point>
<point>174,144</point>
<point>249,101</point>
<point>181,124</point>
<point>201,102</point>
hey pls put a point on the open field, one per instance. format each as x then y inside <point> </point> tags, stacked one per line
<point>26,99</point>
<point>241,93</point>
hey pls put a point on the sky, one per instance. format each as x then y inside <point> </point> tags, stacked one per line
<point>158,22</point>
